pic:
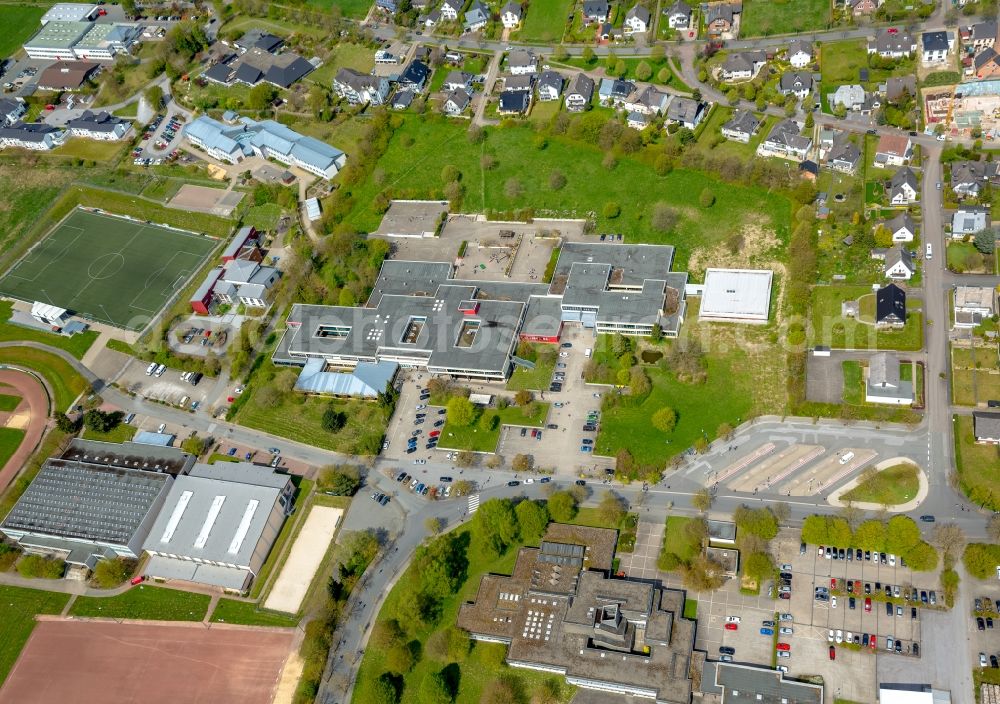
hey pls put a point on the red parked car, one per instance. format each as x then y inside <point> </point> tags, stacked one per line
<point>731,626</point>
<point>139,579</point>
<point>833,653</point>
<point>871,641</point>
<point>868,604</point>
<point>783,646</point>
<point>833,582</point>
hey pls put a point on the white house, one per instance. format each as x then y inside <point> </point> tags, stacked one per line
<point>511,14</point>
<point>102,126</point>
<point>800,53</point>
<point>580,93</point>
<point>521,62</point>
<point>969,220</point>
<point>903,187</point>
<point>892,150</point>
<point>973,304</point>
<point>892,43</point>
<point>899,264</point>
<point>786,142</point>
<point>884,384</point>
<point>936,47</point>
<point>456,102</point>
<point>360,88</point>
<point>550,84</point>
<point>637,20</point>
<point>477,16</point>
<point>678,15</point>
<point>741,127</point>
<point>902,227</point>
<point>449,10</point>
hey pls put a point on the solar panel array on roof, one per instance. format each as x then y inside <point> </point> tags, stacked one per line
<point>561,554</point>
<point>73,500</point>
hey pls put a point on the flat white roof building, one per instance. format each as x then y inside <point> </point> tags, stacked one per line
<point>70,12</point>
<point>912,694</point>
<point>736,295</point>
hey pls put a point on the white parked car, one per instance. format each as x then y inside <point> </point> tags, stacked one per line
<point>833,602</point>
<point>786,631</point>
<point>732,619</point>
<point>840,636</point>
<point>830,636</point>
<point>892,560</point>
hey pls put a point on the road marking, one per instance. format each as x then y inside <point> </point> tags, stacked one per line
<point>473,503</point>
<point>757,454</point>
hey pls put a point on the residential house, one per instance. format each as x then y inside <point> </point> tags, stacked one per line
<point>36,136</point>
<point>893,150</point>
<point>686,112</point>
<point>360,88</point>
<point>420,5</point>
<point>511,14</point>
<point>786,141</point>
<point>678,15</point>
<point>796,83</point>
<point>884,384</point>
<point>514,102</point>
<point>986,64</point>
<point>67,75</point>
<point>477,16</point>
<point>741,127</point>
<point>853,98</point>
<point>433,18</point>
<point>809,171</point>
<point>450,9</point>
<point>579,93</point>
<point>522,61</point>
<point>903,187</point>
<point>720,17</point>
<point>259,40</point>
<point>637,20</point>
<point>646,101</point>
<point>892,43</point>
<point>859,8</point>
<point>458,80</point>
<point>982,35</point>
<point>800,53</point>
<point>898,87</point>
<point>969,220</point>
<point>101,125</point>
<point>935,47</point>
<point>401,100</point>
<point>844,156</point>
<point>613,91</point>
<point>901,227</point>
<point>414,77</point>
<point>456,102</point>
<point>390,6</point>
<point>518,83</point>
<point>11,110</point>
<point>899,264</point>
<point>596,11</point>
<point>638,121</point>
<point>968,177</point>
<point>986,427</point>
<point>550,85</point>
<point>743,65</point>
<point>890,306</point>
<point>973,305</point>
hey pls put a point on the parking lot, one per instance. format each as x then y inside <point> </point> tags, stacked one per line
<point>167,388</point>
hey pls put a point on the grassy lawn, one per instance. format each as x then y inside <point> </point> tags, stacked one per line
<point>971,387</point>
<point>691,609</point>
<point>65,382</point>
<point>346,55</point>
<point>483,664</point>
<point>763,17</point>
<point>77,345</point>
<point>830,328</point>
<point>477,439</point>
<point>248,613</point>
<point>964,258</point>
<point>123,433</point>
<point>21,22</point>
<point>854,392</point>
<point>10,440</point>
<point>8,403</point>
<point>263,217</point>
<point>629,426</point>
<point>355,9</point>
<point>978,466</point>
<point>18,608</point>
<point>841,61</point>
<point>91,149</point>
<point>420,148</point>
<point>676,540</point>
<point>893,485</point>
<point>544,21</point>
<point>672,77</point>
<point>25,193</point>
<point>713,132</point>
<point>536,379</point>
<point>145,602</point>
<point>281,28</point>
<point>979,358</point>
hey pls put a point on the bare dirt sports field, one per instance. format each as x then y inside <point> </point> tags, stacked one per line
<point>101,662</point>
<point>30,416</point>
<point>203,199</point>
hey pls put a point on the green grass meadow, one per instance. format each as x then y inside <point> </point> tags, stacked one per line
<point>764,17</point>
<point>476,439</point>
<point>10,440</point>
<point>20,22</point>
<point>18,607</point>
<point>8,402</point>
<point>829,327</point>
<point>145,602</point>
<point>63,379</point>
<point>248,613</point>
<point>544,21</point>
<point>893,485</point>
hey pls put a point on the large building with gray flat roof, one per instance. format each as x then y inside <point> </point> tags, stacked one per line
<point>735,683</point>
<point>218,524</point>
<point>419,316</point>
<point>83,511</point>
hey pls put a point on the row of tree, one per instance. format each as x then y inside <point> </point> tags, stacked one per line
<point>900,536</point>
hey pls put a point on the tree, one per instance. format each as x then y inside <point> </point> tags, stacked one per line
<point>985,242</point>
<point>523,397</point>
<point>194,445</point>
<point>702,500</point>
<point>950,540</point>
<point>981,560</point>
<point>333,420</point>
<point>561,505</point>
<point>611,509</point>
<point>851,514</point>
<point>588,55</point>
<point>461,411</point>
<point>810,121</point>
<point>450,173</point>
<point>441,564</point>
<point>532,518</point>
<point>664,419</point>
<point>65,423</point>
<point>782,511</point>
<point>512,188</point>
<point>870,535</point>
<point>921,557</point>
<point>664,218</point>
<point>154,96</point>
<point>497,525</point>
<point>902,533</point>
<point>110,573</point>
<point>611,209</point>
<point>814,530</point>
<point>664,75</point>
<point>261,95</point>
<point>434,524</point>
<point>758,566</point>
<point>522,463</point>
<point>462,487</point>
<point>385,690</point>
<point>102,422</point>
<point>465,459</point>
<point>560,53</point>
<point>434,689</point>
<point>703,574</point>
<point>643,71</point>
<point>707,198</point>
<point>557,181</point>
<point>399,659</point>
<point>40,567</point>
<point>620,68</point>
<point>387,633</point>
<point>759,522</point>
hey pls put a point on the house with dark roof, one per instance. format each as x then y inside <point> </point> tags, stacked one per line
<point>637,20</point>
<point>518,83</point>
<point>986,64</point>
<point>646,101</point>
<point>401,100</point>
<point>678,15</point>
<point>797,83</point>
<point>686,112</point>
<point>514,102</point>
<point>892,43</point>
<point>731,683</point>
<point>522,61</point>
<point>800,53</point>
<point>899,264</point>
<point>969,177</point>
<point>986,427</point>
<point>99,125</point>
<point>786,142</point>
<point>982,35</point>
<point>844,156</point>
<point>903,187</point>
<point>12,110</point>
<point>414,77</point>
<point>67,75</point>
<point>550,85</point>
<point>36,136</point>
<point>456,102</point>
<point>449,10</point>
<point>743,65</point>
<point>477,16</point>
<point>721,16</point>
<point>458,80</point>
<point>596,11</point>
<point>360,88</point>
<point>897,87</point>
<point>935,47</point>
<point>579,93</point>
<point>890,306</point>
<point>614,91</point>
<point>259,39</point>
<point>511,14</point>
<point>741,127</point>
<point>902,227</point>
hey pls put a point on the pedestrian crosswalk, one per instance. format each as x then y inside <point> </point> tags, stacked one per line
<point>473,503</point>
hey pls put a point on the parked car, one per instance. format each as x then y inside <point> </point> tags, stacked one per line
<point>732,626</point>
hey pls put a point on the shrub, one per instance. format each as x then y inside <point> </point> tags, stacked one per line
<point>110,573</point>
<point>40,567</point>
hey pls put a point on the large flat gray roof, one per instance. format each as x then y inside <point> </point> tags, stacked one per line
<point>71,499</point>
<point>736,294</point>
<point>216,514</point>
<point>746,683</point>
<point>631,263</point>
